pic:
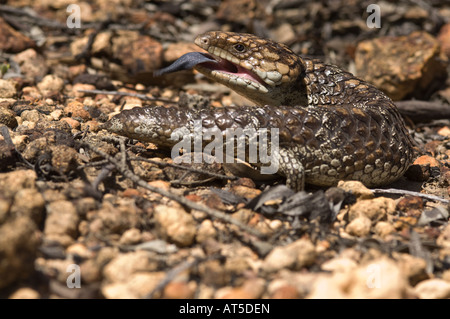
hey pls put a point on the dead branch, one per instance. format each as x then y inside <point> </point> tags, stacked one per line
<point>213,213</point>
<point>423,111</point>
<point>411,193</point>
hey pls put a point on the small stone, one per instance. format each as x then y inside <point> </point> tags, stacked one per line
<point>77,87</point>
<point>444,238</point>
<point>7,88</point>
<point>50,84</point>
<point>12,40</point>
<point>357,189</point>
<point>80,250</point>
<point>77,110</point>
<point>31,116</point>
<point>444,39</point>
<point>29,202</point>
<point>138,285</point>
<point>124,265</point>
<point>25,293</point>
<point>394,64</point>
<point>90,271</point>
<point>137,53</point>
<point>444,131</point>
<point>19,242</point>
<point>64,158</point>
<point>32,65</point>
<point>178,290</point>
<point>339,264</point>
<point>433,289</point>
<point>61,223</point>
<point>102,43</point>
<point>375,209</point>
<point>212,272</point>
<point>56,115</point>
<point>74,124</point>
<point>117,291</point>
<point>175,224</point>
<point>359,227</point>
<point>427,160</point>
<point>286,292</point>
<point>380,279</point>
<point>251,289</point>
<point>206,231</point>
<point>244,191</point>
<point>285,33</point>
<point>446,275</point>
<point>414,268</point>
<point>296,255</point>
<point>8,118</point>
<point>12,182</point>
<point>384,229</point>
<point>130,237</point>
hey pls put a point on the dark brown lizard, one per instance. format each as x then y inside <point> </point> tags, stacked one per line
<point>332,126</point>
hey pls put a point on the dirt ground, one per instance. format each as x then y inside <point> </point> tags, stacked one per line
<point>86,214</point>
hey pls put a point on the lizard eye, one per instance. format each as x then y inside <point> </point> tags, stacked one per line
<point>239,47</point>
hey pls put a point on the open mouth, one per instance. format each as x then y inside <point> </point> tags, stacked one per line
<point>226,71</point>
<point>220,66</point>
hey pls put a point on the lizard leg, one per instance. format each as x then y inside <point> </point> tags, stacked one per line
<point>292,168</point>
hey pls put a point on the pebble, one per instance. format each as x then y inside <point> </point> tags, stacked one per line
<point>77,110</point>
<point>444,39</point>
<point>380,279</point>
<point>179,290</point>
<point>296,255</point>
<point>250,289</point>
<point>29,202</point>
<point>394,65</point>
<point>62,221</point>
<point>339,264</point>
<point>444,238</point>
<point>13,182</point>
<point>32,64</point>
<point>25,293</point>
<point>64,158</point>
<point>359,226</point>
<point>357,189</point>
<point>123,266</point>
<point>131,236</point>
<point>384,229</point>
<point>175,224</point>
<point>206,231</point>
<point>414,268</point>
<point>136,52</point>
<point>427,160</point>
<point>285,292</point>
<point>138,285</point>
<point>7,88</point>
<point>375,209</point>
<point>12,40</point>
<point>8,118</point>
<point>433,289</point>
<point>50,84</point>
<point>19,242</point>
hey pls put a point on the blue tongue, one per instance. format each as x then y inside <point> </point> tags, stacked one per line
<point>185,62</point>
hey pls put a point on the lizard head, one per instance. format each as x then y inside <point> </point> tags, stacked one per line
<point>261,70</point>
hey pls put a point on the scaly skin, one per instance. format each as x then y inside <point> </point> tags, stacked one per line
<point>332,126</point>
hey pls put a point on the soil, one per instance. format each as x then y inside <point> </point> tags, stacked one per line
<point>115,218</point>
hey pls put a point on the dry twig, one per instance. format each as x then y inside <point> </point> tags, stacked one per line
<point>214,213</point>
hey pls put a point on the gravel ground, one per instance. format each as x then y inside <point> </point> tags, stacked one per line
<point>114,218</point>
